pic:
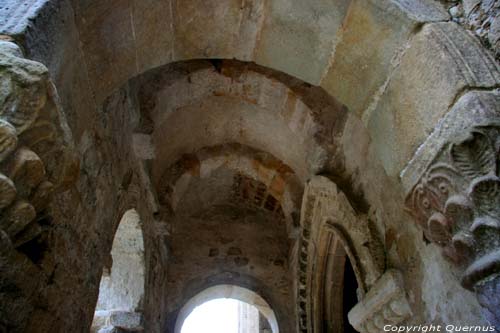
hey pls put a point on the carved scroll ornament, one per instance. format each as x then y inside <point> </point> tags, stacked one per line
<point>457,202</point>
<point>36,155</point>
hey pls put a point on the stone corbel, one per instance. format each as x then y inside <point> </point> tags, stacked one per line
<point>384,304</point>
<point>456,193</point>
<point>36,155</point>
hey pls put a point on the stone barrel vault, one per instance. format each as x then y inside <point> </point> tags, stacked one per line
<point>361,131</point>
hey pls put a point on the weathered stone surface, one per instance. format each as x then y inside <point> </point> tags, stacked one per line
<point>7,190</point>
<point>130,321</point>
<point>27,104</point>
<point>8,139</point>
<point>26,169</point>
<point>107,39</point>
<point>481,18</point>
<point>221,198</point>
<point>15,18</point>
<point>487,293</point>
<point>384,304</point>
<point>152,25</point>
<point>373,35</point>
<point>427,78</point>
<point>298,38</point>
<point>216,29</point>
<point>475,107</point>
<point>456,197</point>
<point>143,147</point>
<point>18,217</point>
<point>23,89</point>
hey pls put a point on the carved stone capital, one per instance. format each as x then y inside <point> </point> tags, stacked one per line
<point>36,153</point>
<point>455,192</point>
<point>457,198</point>
<point>384,304</point>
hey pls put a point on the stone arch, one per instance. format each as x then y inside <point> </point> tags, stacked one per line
<point>248,164</point>
<point>219,100</point>
<point>398,62</point>
<point>228,291</point>
<point>334,259</point>
<point>326,213</point>
<point>257,32</point>
<point>122,286</point>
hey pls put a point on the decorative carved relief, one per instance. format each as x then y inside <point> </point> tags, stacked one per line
<point>384,304</point>
<point>453,189</point>
<point>36,155</point>
<point>457,201</point>
<point>326,209</point>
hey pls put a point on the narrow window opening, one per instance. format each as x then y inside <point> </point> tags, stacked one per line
<point>121,290</point>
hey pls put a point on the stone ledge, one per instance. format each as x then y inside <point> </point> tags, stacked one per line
<point>129,321</point>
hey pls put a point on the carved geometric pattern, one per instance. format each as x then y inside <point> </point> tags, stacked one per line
<point>303,265</point>
<point>326,209</point>
<point>457,201</point>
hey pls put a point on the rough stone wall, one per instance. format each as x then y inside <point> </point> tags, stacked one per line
<point>67,256</point>
<point>87,217</point>
<point>227,251</point>
<point>482,17</point>
<point>400,85</point>
<point>36,162</point>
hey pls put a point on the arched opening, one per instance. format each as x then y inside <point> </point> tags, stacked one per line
<point>243,311</point>
<point>339,288</point>
<point>226,315</point>
<point>391,84</point>
<point>121,291</point>
<point>350,298</point>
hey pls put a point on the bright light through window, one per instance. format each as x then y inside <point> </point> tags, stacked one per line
<point>222,316</point>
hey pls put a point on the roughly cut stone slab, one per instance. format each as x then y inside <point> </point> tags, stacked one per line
<point>130,321</point>
<point>216,29</point>
<point>440,62</point>
<point>298,37</point>
<point>14,18</point>
<point>372,35</point>
<point>152,26</point>
<point>384,304</point>
<point>143,147</point>
<point>108,43</point>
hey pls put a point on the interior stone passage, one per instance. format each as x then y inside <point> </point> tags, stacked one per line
<point>332,166</point>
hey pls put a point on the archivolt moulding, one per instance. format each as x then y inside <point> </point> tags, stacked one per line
<point>325,209</point>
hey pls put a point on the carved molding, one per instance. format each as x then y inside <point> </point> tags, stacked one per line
<point>457,201</point>
<point>384,304</point>
<point>36,155</point>
<point>326,209</point>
